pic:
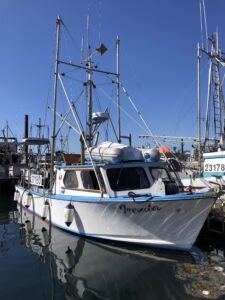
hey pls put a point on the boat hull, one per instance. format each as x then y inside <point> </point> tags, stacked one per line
<point>172,223</point>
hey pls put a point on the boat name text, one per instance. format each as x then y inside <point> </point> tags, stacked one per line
<point>135,210</point>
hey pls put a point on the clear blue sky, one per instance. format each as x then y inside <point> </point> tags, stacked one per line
<point>158,56</point>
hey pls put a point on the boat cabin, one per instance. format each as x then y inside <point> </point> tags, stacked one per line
<point>140,178</point>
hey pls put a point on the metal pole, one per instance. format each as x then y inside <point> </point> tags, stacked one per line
<point>89,103</point>
<point>219,101</point>
<point>118,85</point>
<point>89,89</point>
<point>199,110</point>
<point>206,134</point>
<point>26,134</point>
<point>39,134</point>
<point>58,23</point>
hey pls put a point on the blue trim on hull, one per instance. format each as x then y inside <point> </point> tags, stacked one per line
<point>91,199</point>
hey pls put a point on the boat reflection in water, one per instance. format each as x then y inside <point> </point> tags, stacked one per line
<point>86,269</point>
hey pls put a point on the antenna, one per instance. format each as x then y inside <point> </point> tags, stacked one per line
<point>88,36</point>
<point>200,8</point>
<point>205,29</point>
<point>82,49</point>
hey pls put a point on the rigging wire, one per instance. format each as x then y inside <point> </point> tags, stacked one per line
<point>123,110</point>
<point>104,125</point>
<point>7,128</point>
<point>49,84</point>
<point>79,96</point>
<point>48,92</point>
<point>79,125</point>
<point>140,115</point>
<point>71,78</point>
<point>71,37</point>
<point>74,69</point>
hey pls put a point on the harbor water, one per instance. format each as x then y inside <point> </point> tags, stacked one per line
<point>39,261</point>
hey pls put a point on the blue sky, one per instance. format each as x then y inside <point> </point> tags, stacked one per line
<point>158,57</point>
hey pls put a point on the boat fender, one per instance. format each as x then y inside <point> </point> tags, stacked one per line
<point>45,209</point>
<point>16,196</point>
<point>28,200</point>
<point>69,259</point>
<point>28,226</point>
<point>68,214</point>
<point>45,237</point>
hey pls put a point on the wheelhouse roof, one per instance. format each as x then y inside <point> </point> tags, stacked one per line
<point>158,164</point>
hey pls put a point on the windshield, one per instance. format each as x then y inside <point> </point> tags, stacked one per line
<point>133,178</point>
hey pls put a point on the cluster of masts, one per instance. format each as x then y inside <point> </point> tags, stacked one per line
<point>89,135</point>
<point>215,106</point>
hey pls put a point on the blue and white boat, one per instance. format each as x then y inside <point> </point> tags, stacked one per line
<point>115,194</point>
<point>211,149</point>
<point>213,172</point>
<point>131,206</point>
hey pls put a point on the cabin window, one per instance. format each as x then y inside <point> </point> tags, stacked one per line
<point>70,179</point>
<point>157,173</point>
<point>171,187</point>
<point>89,180</point>
<point>121,179</point>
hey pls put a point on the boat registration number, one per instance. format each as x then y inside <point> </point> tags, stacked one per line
<point>214,167</point>
<point>36,179</point>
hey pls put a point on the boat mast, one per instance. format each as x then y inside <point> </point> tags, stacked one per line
<point>89,89</point>
<point>118,84</point>
<point>217,91</point>
<point>214,95</point>
<point>58,24</point>
<point>89,102</point>
<point>199,109</point>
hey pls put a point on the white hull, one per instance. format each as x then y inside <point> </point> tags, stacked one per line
<point>162,223</point>
<point>91,270</point>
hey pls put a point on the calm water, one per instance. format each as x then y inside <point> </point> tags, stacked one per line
<point>41,262</point>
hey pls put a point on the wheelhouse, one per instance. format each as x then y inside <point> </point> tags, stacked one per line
<point>115,179</point>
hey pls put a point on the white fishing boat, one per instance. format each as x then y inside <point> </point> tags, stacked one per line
<point>115,194</point>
